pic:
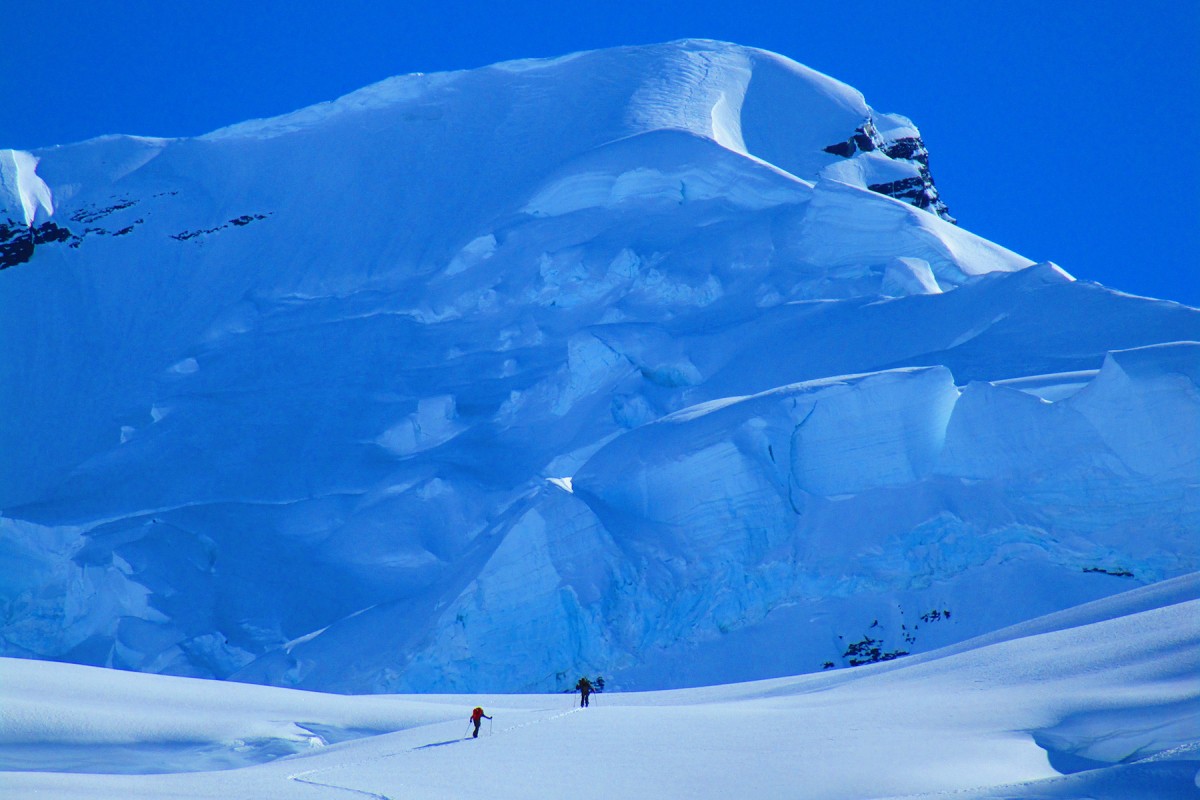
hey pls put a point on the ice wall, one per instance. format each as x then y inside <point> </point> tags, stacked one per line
<point>281,403</point>
<point>713,522</point>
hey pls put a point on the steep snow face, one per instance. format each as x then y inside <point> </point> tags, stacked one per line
<point>21,188</point>
<point>283,401</point>
<point>24,200</point>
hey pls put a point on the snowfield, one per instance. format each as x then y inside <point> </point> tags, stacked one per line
<point>1101,701</point>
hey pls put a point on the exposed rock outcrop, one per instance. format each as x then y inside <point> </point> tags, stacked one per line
<point>899,141</point>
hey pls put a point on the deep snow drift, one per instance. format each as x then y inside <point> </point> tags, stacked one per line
<point>663,362</point>
<point>1100,701</point>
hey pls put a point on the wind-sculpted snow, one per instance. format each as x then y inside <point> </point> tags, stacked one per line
<point>616,362</point>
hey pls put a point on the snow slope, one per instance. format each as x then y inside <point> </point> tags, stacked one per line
<point>1099,701</point>
<point>662,362</point>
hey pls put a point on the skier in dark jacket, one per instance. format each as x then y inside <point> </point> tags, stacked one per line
<point>477,716</point>
<point>585,688</point>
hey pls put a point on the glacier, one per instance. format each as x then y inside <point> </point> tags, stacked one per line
<point>666,363</point>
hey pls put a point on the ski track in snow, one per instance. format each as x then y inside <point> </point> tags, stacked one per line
<point>303,778</point>
<point>306,777</point>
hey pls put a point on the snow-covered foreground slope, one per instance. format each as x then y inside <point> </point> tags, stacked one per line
<point>1100,701</point>
<point>661,362</point>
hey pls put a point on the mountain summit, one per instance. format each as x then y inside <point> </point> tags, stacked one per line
<point>662,362</point>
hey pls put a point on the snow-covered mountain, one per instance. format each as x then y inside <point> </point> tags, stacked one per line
<point>666,363</point>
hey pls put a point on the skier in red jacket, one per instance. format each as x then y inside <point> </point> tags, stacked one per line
<point>477,716</point>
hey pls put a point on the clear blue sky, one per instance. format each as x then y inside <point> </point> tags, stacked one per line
<point>1066,131</point>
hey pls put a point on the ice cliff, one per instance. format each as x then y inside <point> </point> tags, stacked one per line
<point>660,362</point>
